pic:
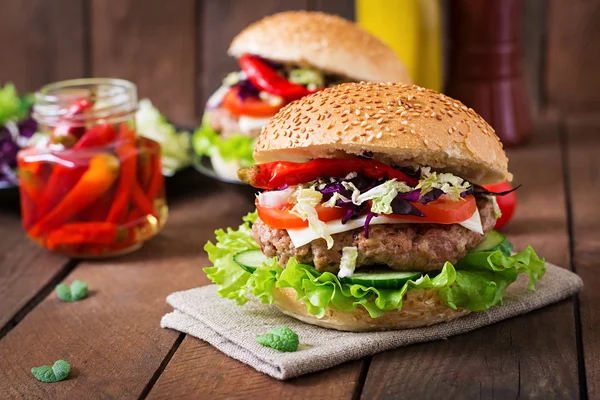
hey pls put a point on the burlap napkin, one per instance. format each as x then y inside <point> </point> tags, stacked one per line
<point>232,329</point>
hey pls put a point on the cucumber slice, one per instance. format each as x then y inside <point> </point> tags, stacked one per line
<point>382,279</point>
<point>249,260</point>
<point>495,241</point>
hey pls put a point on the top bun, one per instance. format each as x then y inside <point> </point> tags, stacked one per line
<point>401,125</point>
<point>328,42</point>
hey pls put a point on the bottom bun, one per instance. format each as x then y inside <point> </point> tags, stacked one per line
<point>420,308</point>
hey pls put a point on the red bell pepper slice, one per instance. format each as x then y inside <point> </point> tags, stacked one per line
<point>278,174</point>
<point>266,78</point>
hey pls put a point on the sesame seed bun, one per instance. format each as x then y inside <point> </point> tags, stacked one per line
<point>419,308</point>
<point>328,42</point>
<point>401,125</point>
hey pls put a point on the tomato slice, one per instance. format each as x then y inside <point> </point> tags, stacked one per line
<point>283,219</point>
<point>277,174</point>
<point>251,106</point>
<point>443,211</point>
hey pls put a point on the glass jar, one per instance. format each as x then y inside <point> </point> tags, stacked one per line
<point>95,189</point>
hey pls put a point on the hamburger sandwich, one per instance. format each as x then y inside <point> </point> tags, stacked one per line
<point>372,215</point>
<point>282,58</point>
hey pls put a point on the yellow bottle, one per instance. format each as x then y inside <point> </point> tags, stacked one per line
<point>413,29</point>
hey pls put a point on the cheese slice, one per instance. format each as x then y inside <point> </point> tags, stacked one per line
<point>249,124</point>
<point>303,236</point>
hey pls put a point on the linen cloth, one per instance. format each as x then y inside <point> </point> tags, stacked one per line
<point>232,329</point>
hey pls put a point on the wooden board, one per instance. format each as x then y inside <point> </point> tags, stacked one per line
<point>112,339</point>
<point>573,56</point>
<point>527,356</point>
<point>198,370</point>
<point>221,21</point>
<point>152,43</point>
<point>343,8</point>
<point>26,270</point>
<point>583,142</point>
<point>42,41</point>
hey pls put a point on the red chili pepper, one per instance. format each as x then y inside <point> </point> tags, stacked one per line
<point>62,179</point>
<point>277,174</point>
<point>157,180</point>
<point>102,172</point>
<point>84,233</point>
<point>141,201</point>
<point>127,153</point>
<point>96,136</point>
<point>67,133</point>
<point>144,164</point>
<point>78,107</point>
<point>31,183</point>
<point>266,78</point>
<point>98,210</point>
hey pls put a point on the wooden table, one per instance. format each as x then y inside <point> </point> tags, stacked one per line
<point>118,350</point>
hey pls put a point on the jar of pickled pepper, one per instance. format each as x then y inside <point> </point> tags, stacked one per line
<point>96,189</point>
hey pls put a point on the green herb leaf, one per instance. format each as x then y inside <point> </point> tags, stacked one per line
<point>281,338</point>
<point>59,371</point>
<point>63,292</point>
<point>77,291</point>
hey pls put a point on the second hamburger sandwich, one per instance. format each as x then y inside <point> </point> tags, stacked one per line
<point>284,57</point>
<point>372,215</point>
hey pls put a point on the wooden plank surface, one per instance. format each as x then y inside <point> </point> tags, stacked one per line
<point>152,43</point>
<point>221,21</point>
<point>42,41</point>
<point>343,8</point>
<point>573,56</point>
<point>25,268</point>
<point>113,338</point>
<point>198,370</point>
<point>583,143</point>
<point>529,356</point>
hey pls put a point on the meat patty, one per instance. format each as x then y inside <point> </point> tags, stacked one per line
<point>227,124</point>
<point>402,247</point>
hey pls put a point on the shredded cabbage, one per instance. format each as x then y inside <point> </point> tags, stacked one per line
<point>450,184</point>
<point>476,283</point>
<point>348,262</point>
<point>175,146</point>
<point>309,77</point>
<point>497,211</point>
<point>306,201</point>
<point>381,195</point>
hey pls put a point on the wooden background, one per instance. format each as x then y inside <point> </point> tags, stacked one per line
<point>176,50</point>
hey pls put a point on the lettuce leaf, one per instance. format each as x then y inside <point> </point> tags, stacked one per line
<point>235,147</point>
<point>476,283</point>
<point>174,146</point>
<point>13,107</point>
